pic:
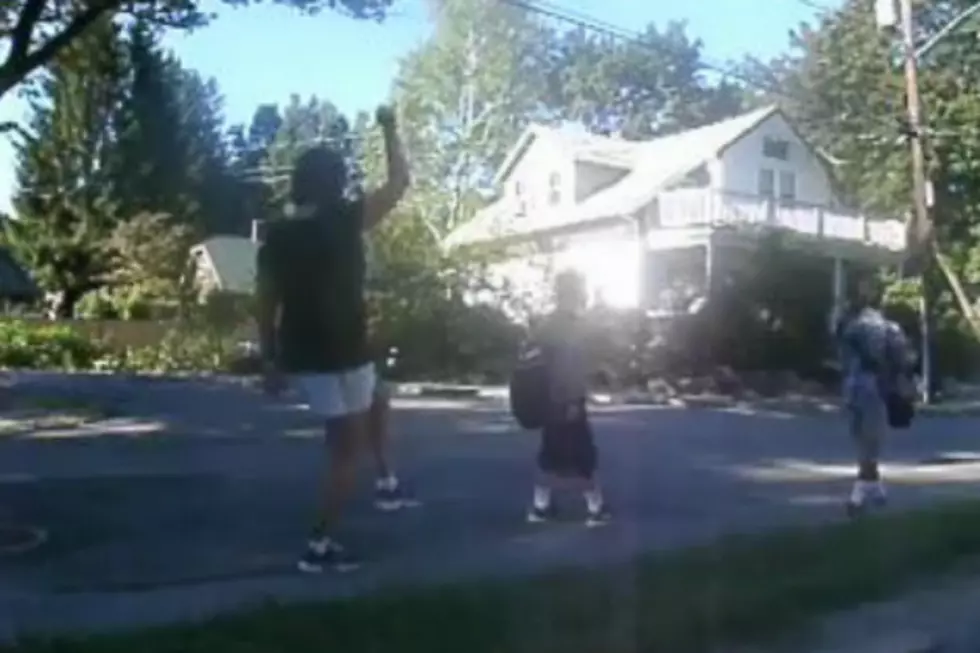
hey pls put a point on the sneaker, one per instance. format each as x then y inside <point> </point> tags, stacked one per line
<point>866,496</point>
<point>879,498</point>
<point>536,515</point>
<point>322,556</point>
<point>597,518</point>
<point>392,499</point>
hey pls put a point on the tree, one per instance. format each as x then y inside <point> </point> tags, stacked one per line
<point>171,151</point>
<point>154,161</point>
<point>305,124</point>
<point>638,88</point>
<point>63,199</point>
<point>150,265</point>
<point>842,83</point>
<point>211,179</point>
<point>464,97</point>
<point>34,32</point>
<point>250,145</point>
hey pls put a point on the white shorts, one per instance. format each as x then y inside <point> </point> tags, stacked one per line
<point>338,394</point>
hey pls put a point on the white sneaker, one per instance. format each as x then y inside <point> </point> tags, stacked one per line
<point>866,494</point>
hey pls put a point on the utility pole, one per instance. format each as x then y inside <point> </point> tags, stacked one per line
<point>921,237</point>
<point>919,229</point>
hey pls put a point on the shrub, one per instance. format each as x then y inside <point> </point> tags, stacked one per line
<point>46,346</point>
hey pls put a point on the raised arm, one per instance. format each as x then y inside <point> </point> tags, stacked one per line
<point>381,201</point>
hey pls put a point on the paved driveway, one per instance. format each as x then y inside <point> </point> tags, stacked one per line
<point>195,496</point>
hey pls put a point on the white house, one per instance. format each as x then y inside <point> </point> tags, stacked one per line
<point>630,214</point>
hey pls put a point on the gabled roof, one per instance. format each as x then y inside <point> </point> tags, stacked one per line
<point>232,260</point>
<point>584,146</point>
<point>653,165</point>
<point>617,152</point>
<point>667,160</point>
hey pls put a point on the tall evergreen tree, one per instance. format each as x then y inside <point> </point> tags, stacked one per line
<point>64,195</point>
<point>154,161</point>
<point>212,181</point>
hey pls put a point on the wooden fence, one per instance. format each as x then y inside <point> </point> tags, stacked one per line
<point>121,333</point>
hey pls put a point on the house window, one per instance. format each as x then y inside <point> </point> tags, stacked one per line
<point>767,183</point>
<point>554,189</point>
<point>775,148</point>
<point>787,186</point>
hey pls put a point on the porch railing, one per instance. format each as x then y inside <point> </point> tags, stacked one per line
<point>692,207</point>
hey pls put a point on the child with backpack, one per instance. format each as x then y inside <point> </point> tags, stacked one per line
<point>878,388</point>
<point>548,393</point>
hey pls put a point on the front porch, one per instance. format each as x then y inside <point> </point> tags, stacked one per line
<point>697,234</point>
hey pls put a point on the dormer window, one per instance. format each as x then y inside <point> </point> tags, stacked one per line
<point>775,148</point>
<point>554,189</point>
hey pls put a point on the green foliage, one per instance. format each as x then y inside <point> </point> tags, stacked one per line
<point>64,201</point>
<point>305,124</point>
<point>120,132</point>
<point>464,96</point>
<point>151,272</point>
<point>843,84</point>
<point>639,88</point>
<point>185,348</point>
<point>31,346</point>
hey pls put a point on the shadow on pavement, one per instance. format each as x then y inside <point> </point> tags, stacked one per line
<point>224,489</point>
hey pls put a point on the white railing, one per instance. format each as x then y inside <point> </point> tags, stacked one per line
<point>691,207</point>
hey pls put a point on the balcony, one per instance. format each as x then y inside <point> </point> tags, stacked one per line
<point>685,216</point>
<point>746,214</point>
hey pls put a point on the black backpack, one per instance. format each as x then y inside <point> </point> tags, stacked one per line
<point>530,388</point>
<point>900,389</point>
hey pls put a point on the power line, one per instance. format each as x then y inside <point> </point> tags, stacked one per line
<point>578,19</point>
<point>555,11</point>
<point>812,4</point>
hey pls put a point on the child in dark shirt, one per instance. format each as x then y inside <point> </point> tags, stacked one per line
<point>568,453</point>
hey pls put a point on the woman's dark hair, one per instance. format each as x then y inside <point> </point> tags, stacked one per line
<point>319,176</point>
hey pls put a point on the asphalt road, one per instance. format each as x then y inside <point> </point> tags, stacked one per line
<point>193,498</point>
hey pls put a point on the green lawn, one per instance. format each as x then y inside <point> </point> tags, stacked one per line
<point>735,590</point>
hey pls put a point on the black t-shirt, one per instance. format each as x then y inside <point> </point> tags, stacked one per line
<point>316,266</point>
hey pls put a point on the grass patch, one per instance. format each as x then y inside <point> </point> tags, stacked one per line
<point>739,589</point>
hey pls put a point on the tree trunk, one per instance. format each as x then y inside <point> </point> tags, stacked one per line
<point>63,304</point>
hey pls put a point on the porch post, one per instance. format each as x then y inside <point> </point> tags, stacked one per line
<point>838,289</point>
<point>640,233</point>
<point>709,267</point>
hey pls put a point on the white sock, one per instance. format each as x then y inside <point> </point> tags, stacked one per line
<point>389,482</point>
<point>542,497</point>
<point>593,500</point>
<point>864,489</point>
<point>320,545</point>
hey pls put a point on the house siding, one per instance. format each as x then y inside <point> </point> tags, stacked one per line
<point>533,173</point>
<point>608,259</point>
<point>739,166</point>
<point>590,178</point>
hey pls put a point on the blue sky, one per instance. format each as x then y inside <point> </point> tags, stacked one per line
<point>252,52</point>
